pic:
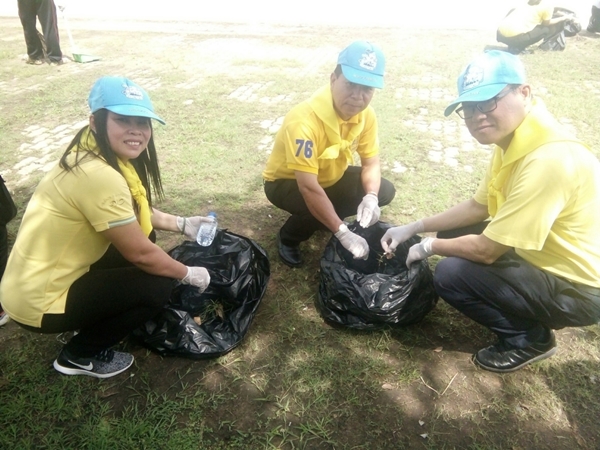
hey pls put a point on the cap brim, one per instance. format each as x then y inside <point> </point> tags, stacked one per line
<point>479,94</point>
<point>362,77</point>
<point>132,110</point>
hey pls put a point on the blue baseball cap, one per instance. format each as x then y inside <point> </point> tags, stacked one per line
<point>121,96</point>
<point>486,76</point>
<point>363,63</point>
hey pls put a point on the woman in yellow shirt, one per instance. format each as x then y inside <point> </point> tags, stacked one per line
<point>85,258</point>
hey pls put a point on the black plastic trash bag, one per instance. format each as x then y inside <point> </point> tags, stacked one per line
<point>554,43</point>
<point>376,292</point>
<point>572,26</point>
<point>594,23</point>
<point>211,324</point>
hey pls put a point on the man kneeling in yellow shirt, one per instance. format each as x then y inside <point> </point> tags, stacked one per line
<point>535,266</point>
<point>310,173</point>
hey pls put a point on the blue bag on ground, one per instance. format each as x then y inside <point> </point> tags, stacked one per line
<point>376,292</point>
<point>211,324</point>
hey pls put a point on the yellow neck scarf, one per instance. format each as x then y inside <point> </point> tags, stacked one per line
<point>538,128</point>
<point>322,104</point>
<point>138,192</point>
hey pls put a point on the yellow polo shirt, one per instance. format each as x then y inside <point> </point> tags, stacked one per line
<point>302,139</point>
<point>60,238</point>
<point>525,18</point>
<point>552,211</point>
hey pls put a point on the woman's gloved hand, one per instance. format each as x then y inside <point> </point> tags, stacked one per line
<point>189,225</point>
<point>197,276</point>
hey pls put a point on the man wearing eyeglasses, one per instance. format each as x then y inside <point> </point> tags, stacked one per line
<point>534,266</point>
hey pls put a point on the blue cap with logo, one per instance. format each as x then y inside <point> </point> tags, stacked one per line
<point>486,76</point>
<point>363,63</point>
<point>121,96</point>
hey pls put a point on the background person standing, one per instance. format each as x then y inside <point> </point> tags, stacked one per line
<point>45,10</point>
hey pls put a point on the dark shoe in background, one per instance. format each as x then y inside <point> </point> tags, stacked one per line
<point>520,51</point>
<point>500,358</point>
<point>59,62</point>
<point>34,62</point>
<point>513,50</point>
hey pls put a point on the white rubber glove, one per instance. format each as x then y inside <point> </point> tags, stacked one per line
<point>197,276</point>
<point>368,211</point>
<point>397,235</point>
<point>189,225</point>
<point>420,251</point>
<point>353,242</point>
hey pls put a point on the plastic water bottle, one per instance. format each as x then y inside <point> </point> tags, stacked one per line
<point>207,231</point>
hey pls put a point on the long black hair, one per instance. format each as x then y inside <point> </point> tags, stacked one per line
<point>146,164</point>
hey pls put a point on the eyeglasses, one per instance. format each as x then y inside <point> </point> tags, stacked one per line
<point>467,111</point>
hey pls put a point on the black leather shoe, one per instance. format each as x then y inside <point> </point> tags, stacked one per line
<point>289,254</point>
<point>500,358</point>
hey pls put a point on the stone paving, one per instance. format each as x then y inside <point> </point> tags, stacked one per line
<point>40,147</point>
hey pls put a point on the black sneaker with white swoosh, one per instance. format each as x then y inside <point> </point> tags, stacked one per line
<point>105,364</point>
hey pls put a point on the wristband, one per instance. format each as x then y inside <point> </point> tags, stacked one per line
<point>373,193</point>
<point>343,228</point>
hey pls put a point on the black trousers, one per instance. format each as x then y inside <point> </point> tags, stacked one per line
<point>345,195</point>
<point>511,297</point>
<point>3,250</point>
<point>107,303</point>
<point>45,10</point>
<point>522,41</point>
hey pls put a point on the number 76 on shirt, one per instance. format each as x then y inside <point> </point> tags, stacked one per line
<point>306,146</point>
